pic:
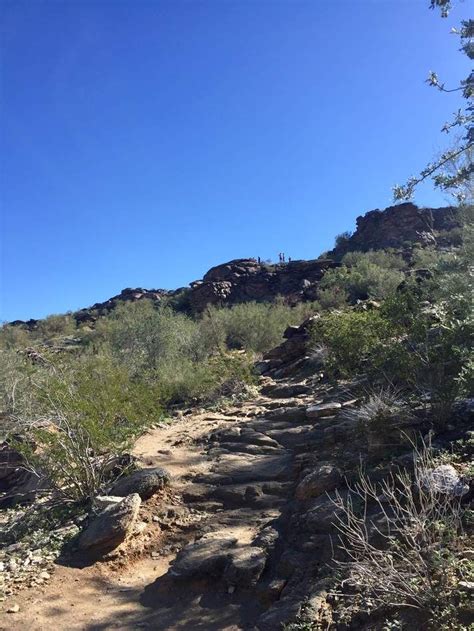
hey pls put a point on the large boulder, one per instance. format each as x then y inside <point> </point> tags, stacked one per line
<point>323,479</point>
<point>145,482</point>
<point>111,526</point>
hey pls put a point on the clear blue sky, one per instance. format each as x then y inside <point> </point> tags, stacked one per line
<point>144,142</point>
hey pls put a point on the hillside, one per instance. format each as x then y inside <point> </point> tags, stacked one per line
<point>398,228</point>
<point>278,446</point>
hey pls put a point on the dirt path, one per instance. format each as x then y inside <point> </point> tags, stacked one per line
<point>232,473</point>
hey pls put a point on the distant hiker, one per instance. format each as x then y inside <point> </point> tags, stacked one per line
<point>283,257</point>
<point>259,260</point>
<point>279,257</point>
<point>289,259</point>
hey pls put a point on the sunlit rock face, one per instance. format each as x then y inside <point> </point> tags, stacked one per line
<point>398,227</point>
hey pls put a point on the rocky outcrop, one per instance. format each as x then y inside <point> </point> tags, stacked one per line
<point>91,314</point>
<point>245,280</point>
<point>397,227</point>
<point>293,357</point>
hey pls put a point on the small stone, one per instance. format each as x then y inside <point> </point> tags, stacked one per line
<point>45,575</point>
<point>13,609</point>
<point>231,589</point>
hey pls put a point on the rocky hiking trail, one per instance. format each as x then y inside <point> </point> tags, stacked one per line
<point>220,547</point>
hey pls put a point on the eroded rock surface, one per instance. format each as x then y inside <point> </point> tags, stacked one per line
<point>111,526</point>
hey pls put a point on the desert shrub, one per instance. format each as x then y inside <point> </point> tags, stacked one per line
<point>86,415</point>
<point>403,540</point>
<point>380,411</point>
<point>385,259</point>
<point>16,400</point>
<point>432,347</point>
<point>350,337</point>
<point>251,326</point>
<point>451,237</point>
<point>56,326</point>
<point>143,337</point>
<point>206,381</point>
<point>333,297</point>
<point>180,300</point>
<point>14,337</point>
<point>362,276</point>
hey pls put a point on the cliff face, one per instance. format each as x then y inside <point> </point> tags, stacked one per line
<point>397,227</point>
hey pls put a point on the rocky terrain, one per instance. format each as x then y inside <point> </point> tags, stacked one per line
<point>229,523</point>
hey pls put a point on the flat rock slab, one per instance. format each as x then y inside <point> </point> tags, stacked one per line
<point>296,436</point>
<point>323,409</point>
<point>285,391</point>
<point>250,494</point>
<point>244,435</point>
<point>245,448</point>
<point>294,414</point>
<point>242,468</point>
<point>205,558</point>
<point>322,515</point>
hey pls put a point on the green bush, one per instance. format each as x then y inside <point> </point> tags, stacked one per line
<point>350,337</point>
<point>208,381</point>
<point>386,259</point>
<point>333,297</point>
<point>86,415</point>
<point>365,275</point>
<point>251,326</point>
<point>143,337</point>
<point>56,326</point>
<point>14,337</point>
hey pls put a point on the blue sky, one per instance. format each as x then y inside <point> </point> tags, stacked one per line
<point>144,142</point>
